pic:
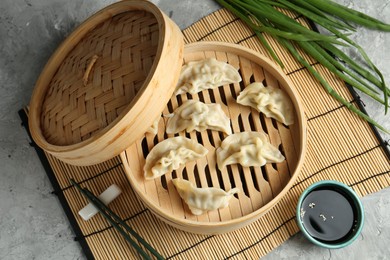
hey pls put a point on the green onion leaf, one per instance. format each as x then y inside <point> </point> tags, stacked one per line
<point>263,16</point>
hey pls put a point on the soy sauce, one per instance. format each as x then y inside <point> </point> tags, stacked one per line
<point>328,215</point>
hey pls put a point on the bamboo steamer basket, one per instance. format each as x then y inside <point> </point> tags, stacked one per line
<point>261,187</point>
<point>106,83</point>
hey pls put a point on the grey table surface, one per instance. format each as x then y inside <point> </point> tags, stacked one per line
<point>32,222</point>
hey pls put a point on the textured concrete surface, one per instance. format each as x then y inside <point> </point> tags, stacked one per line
<point>32,223</point>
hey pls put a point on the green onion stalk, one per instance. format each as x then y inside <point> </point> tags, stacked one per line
<point>266,16</point>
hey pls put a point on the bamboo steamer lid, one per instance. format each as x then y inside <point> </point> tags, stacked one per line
<point>106,83</point>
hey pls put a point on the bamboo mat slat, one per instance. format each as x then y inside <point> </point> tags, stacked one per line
<point>340,147</point>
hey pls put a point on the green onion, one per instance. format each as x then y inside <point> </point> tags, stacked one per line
<point>345,58</point>
<point>327,87</point>
<point>269,13</point>
<point>241,13</point>
<point>118,224</point>
<point>263,16</point>
<point>311,13</point>
<point>307,6</point>
<point>370,64</point>
<point>348,14</point>
<point>328,61</point>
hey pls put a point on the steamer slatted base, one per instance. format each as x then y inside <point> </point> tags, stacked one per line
<point>340,147</point>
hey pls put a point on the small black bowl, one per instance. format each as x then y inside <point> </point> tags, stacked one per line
<point>330,214</point>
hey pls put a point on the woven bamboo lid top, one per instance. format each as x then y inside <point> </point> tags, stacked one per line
<point>99,77</point>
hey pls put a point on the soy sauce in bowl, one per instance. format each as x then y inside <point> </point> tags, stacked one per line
<point>330,214</point>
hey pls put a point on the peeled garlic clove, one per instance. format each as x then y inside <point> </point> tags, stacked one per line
<point>106,197</point>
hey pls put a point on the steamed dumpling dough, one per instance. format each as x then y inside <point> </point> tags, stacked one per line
<point>210,73</point>
<point>195,115</point>
<point>200,200</point>
<point>170,154</point>
<point>273,102</point>
<point>247,149</point>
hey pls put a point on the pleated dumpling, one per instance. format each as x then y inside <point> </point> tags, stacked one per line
<point>201,200</point>
<point>170,154</point>
<point>273,102</point>
<point>195,115</point>
<point>247,149</point>
<point>210,73</point>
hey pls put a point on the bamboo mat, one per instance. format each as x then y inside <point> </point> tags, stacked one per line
<point>340,147</point>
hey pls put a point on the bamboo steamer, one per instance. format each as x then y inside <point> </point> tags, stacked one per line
<point>106,83</point>
<point>114,76</point>
<point>261,187</point>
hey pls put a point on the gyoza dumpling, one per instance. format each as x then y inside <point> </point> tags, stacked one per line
<point>170,154</point>
<point>273,102</point>
<point>195,115</point>
<point>247,149</point>
<point>200,200</point>
<point>196,76</point>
